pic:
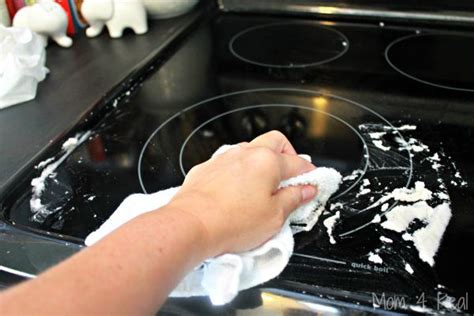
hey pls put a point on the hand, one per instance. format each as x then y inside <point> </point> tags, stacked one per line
<point>235,195</point>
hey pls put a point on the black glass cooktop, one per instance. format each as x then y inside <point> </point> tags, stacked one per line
<point>386,106</point>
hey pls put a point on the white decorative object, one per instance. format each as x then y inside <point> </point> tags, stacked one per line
<point>117,15</point>
<point>48,19</point>
<point>163,9</point>
<point>97,13</point>
<point>4,16</point>
<point>22,60</point>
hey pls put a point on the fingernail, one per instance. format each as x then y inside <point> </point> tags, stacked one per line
<point>308,192</point>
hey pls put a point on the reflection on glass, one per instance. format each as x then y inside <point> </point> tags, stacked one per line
<point>318,125</point>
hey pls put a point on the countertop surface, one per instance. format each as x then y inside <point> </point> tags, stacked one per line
<point>79,77</point>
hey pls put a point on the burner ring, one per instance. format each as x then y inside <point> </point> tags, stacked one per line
<point>365,147</point>
<point>328,55</point>
<point>148,142</point>
<point>424,73</point>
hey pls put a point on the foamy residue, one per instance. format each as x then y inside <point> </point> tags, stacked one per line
<point>426,239</point>
<point>410,204</point>
<point>49,166</point>
<point>419,193</point>
<point>329,224</point>
<point>375,258</point>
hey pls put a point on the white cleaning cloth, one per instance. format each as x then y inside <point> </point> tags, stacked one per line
<point>222,277</point>
<point>22,65</point>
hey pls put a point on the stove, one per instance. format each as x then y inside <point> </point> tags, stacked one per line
<point>387,105</point>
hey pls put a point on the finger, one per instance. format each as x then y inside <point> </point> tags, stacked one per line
<point>290,198</point>
<point>292,166</point>
<point>276,141</point>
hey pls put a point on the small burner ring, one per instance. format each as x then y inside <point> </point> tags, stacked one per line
<point>428,58</point>
<point>264,45</point>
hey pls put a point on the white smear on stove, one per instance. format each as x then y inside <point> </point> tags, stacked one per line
<point>379,144</point>
<point>412,195</point>
<point>427,239</point>
<point>400,217</point>
<point>376,219</point>
<point>337,205</point>
<point>363,188</point>
<point>71,143</point>
<point>379,202</point>
<point>401,194</point>
<point>407,237</point>
<point>412,145</point>
<point>329,223</point>
<point>408,268</point>
<point>354,175</point>
<point>417,146</point>
<point>377,135</point>
<point>435,157</point>
<point>442,196</point>
<point>375,258</point>
<point>38,184</point>
<point>406,127</point>
<point>91,198</point>
<point>44,163</point>
<point>385,239</point>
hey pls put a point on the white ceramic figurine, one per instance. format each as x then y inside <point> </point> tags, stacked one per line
<point>116,15</point>
<point>47,19</point>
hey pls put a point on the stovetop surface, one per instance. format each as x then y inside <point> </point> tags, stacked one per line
<point>377,102</point>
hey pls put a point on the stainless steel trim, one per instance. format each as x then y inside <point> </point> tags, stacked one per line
<point>281,7</point>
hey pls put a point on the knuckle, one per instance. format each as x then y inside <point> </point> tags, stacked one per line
<point>194,170</point>
<point>266,161</point>
<point>276,134</point>
<point>265,155</point>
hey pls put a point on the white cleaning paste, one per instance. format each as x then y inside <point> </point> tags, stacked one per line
<point>337,205</point>
<point>400,217</point>
<point>385,239</point>
<point>376,219</point>
<point>427,239</point>
<point>379,144</point>
<point>354,175</point>
<point>412,145</point>
<point>375,258</point>
<point>377,135</point>
<point>406,127</point>
<point>71,143</point>
<point>442,196</point>
<point>329,223</point>
<point>408,268</point>
<point>40,211</point>
<point>412,195</point>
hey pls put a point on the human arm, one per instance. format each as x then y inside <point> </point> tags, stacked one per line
<point>227,204</point>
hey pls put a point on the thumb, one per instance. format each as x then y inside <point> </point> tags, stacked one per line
<point>290,198</point>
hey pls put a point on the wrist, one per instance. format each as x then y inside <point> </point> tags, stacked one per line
<point>195,208</point>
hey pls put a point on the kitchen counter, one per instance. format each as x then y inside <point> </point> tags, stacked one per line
<point>79,78</point>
